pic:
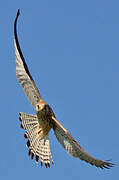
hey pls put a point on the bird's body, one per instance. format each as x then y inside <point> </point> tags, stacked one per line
<point>45,119</point>
<point>38,126</point>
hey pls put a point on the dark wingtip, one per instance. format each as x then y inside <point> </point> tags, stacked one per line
<point>18,12</point>
<point>107,165</point>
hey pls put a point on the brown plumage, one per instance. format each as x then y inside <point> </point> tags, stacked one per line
<point>38,126</point>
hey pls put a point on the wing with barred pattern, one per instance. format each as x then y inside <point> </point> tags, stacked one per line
<point>74,149</point>
<point>23,75</point>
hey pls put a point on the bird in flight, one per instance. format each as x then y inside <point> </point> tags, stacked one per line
<point>38,126</point>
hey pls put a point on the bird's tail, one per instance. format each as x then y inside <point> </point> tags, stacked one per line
<point>40,147</point>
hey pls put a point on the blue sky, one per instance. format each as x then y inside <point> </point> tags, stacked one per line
<point>72,51</point>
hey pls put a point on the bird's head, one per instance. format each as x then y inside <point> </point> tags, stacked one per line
<point>40,105</point>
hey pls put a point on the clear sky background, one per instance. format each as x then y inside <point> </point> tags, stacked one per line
<point>72,50</point>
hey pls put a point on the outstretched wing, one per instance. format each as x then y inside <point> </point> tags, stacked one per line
<point>22,72</point>
<point>73,148</point>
